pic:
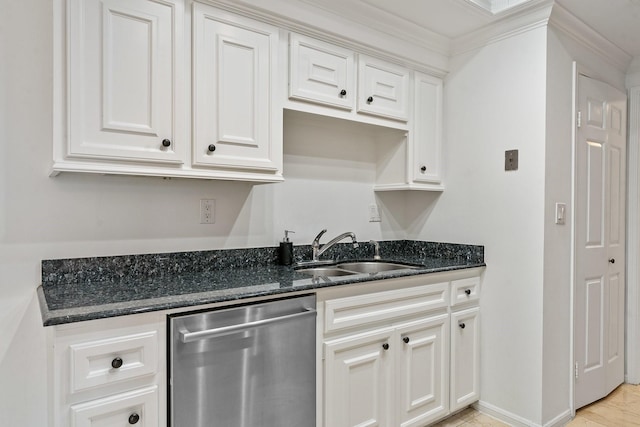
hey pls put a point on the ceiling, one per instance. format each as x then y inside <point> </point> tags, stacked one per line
<point>616,20</point>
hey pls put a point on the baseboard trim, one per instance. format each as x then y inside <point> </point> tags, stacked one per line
<point>517,421</point>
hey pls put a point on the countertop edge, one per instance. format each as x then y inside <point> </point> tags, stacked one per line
<point>94,312</point>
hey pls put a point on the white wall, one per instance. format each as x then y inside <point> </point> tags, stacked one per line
<point>91,215</point>
<point>495,101</point>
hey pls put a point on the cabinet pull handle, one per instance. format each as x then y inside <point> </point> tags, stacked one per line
<point>462,325</point>
<point>612,260</point>
<point>116,363</point>
<point>423,168</point>
<point>406,340</point>
<point>134,418</point>
<point>370,100</point>
<point>211,148</point>
<point>343,92</point>
<point>385,346</point>
<point>166,142</point>
<point>467,291</point>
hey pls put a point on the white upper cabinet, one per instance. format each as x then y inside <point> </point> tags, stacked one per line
<point>426,137</point>
<point>383,89</point>
<point>234,85</point>
<point>320,72</point>
<point>125,78</point>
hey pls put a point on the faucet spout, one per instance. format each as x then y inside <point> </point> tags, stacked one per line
<point>317,250</point>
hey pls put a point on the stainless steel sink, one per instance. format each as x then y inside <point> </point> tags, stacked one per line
<point>325,271</point>
<point>350,268</point>
<point>373,266</point>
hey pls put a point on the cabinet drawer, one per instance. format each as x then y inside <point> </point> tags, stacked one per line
<point>110,360</point>
<point>137,407</point>
<point>383,89</point>
<point>354,311</point>
<point>465,290</point>
<point>321,73</point>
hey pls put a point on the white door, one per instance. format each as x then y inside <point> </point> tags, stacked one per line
<point>423,371</point>
<point>358,380</point>
<point>125,76</point>
<point>235,63</point>
<point>465,358</point>
<point>320,72</point>
<point>383,89</point>
<point>600,240</point>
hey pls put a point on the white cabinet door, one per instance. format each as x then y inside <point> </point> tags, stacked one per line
<point>423,368</point>
<point>358,380</point>
<point>383,89</point>
<point>427,130</point>
<point>320,72</point>
<point>125,80</point>
<point>465,358</point>
<point>234,82</point>
<point>137,407</point>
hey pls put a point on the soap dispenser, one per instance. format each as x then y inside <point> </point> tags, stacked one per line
<point>285,255</point>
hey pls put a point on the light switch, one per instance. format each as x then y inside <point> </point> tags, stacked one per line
<point>561,213</point>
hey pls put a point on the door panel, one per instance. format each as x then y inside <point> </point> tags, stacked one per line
<point>599,240</point>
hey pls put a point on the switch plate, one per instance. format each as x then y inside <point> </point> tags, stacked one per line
<point>511,160</point>
<point>561,213</point>
<point>374,213</point>
<point>207,211</point>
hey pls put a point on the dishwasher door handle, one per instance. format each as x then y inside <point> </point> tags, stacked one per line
<point>186,336</point>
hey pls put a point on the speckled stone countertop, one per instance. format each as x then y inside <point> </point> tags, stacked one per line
<point>81,289</point>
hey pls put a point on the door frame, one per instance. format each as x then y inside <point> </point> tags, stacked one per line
<point>632,336</point>
<point>632,231</point>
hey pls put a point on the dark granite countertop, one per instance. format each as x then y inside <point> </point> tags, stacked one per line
<point>81,289</point>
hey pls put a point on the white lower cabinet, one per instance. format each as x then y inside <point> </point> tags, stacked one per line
<point>109,372</point>
<point>388,363</point>
<point>465,357</point>
<point>138,408</point>
<point>358,373</point>
<point>389,376</point>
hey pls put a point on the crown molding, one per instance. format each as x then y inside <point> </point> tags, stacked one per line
<point>517,20</point>
<point>414,47</point>
<point>571,26</point>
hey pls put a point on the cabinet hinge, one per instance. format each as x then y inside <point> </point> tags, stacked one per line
<point>579,119</point>
<point>576,370</point>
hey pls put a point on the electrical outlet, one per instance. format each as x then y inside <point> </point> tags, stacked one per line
<point>511,160</point>
<point>207,211</point>
<point>374,213</point>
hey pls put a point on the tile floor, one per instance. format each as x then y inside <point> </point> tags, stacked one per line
<point>620,409</point>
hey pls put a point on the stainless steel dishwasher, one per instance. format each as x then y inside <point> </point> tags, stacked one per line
<point>245,366</point>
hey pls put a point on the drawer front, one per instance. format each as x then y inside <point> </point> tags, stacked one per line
<point>137,407</point>
<point>110,360</point>
<point>321,73</point>
<point>465,290</point>
<point>348,312</point>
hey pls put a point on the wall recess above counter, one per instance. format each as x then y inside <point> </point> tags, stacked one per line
<point>186,89</point>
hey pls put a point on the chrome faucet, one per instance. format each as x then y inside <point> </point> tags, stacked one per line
<point>317,250</point>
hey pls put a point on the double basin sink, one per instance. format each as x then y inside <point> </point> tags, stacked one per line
<point>351,268</point>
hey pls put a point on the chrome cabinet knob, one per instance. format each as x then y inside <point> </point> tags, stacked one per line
<point>462,325</point>
<point>612,260</point>
<point>370,100</point>
<point>166,142</point>
<point>385,346</point>
<point>211,148</point>
<point>134,418</point>
<point>467,291</point>
<point>343,92</point>
<point>406,340</point>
